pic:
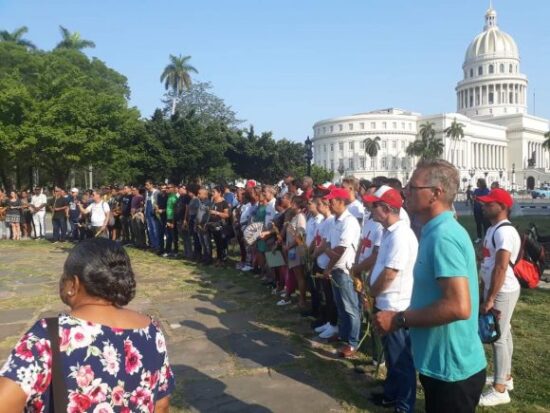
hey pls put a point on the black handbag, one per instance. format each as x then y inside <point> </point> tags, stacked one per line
<point>58,390</point>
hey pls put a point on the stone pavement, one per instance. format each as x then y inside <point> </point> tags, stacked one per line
<point>225,347</point>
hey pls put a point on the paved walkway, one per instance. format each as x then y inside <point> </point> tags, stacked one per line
<point>228,353</point>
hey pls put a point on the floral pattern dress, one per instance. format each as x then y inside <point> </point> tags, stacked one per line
<point>106,369</point>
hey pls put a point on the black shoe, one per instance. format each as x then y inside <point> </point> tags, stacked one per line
<point>378,399</point>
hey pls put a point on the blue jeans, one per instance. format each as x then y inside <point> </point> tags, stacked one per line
<point>153,231</point>
<point>400,384</point>
<point>59,228</point>
<point>347,303</point>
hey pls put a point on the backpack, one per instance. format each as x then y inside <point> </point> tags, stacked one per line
<point>526,268</point>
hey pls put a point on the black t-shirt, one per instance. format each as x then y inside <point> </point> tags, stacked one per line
<point>181,206</point>
<point>126,205</point>
<point>162,201</point>
<point>219,207</point>
<point>60,203</point>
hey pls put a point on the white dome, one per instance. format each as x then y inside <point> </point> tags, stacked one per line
<point>492,42</point>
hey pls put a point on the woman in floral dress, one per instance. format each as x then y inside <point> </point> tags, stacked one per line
<point>114,359</point>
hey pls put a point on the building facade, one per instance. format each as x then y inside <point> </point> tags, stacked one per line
<point>502,141</point>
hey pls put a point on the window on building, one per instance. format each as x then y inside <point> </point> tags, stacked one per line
<point>491,98</point>
<point>403,143</point>
<point>394,144</point>
<point>510,69</point>
<point>403,125</point>
<point>351,146</point>
<point>471,72</point>
<point>362,125</point>
<point>373,163</point>
<point>324,129</point>
<point>340,127</point>
<point>394,125</point>
<point>480,70</point>
<point>325,148</point>
<point>373,125</point>
<point>383,146</point>
<point>362,162</point>
<point>340,163</point>
<point>394,162</point>
<point>350,164</point>
<point>325,164</point>
<point>362,145</point>
<point>410,126</point>
<point>384,125</point>
<point>332,165</point>
<point>501,69</point>
<point>491,69</point>
<point>341,146</point>
<point>331,128</point>
<point>383,163</point>
<point>350,126</point>
<point>332,147</point>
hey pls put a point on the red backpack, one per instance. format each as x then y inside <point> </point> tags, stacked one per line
<point>526,268</point>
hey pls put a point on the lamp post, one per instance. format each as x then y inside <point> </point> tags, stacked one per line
<point>513,177</point>
<point>471,172</point>
<point>309,155</point>
<point>500,177</point>
<point>485,173</point>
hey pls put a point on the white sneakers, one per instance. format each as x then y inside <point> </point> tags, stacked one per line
<point>493,397</point>
<point>329,331</point>
<point>322,328</point>
<point>283,302</point>
<point>246,268</point>
<point>509,383</point>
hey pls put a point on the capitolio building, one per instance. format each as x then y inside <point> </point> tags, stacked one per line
<point>501,142</point>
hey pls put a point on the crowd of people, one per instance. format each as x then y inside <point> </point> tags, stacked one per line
<point>376,249</point>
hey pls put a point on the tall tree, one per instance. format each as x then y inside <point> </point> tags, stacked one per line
<point>73,40</point>
<point>17,37</point>
<point>546,143</point>
<point>428,146</point>
<point>456,133</point>
<point>372,146</point>
<point>177,77</point>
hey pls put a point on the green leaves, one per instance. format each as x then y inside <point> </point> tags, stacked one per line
<point>428,146</point>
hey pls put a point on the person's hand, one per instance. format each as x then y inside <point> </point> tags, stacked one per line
<point>326,274</point>
<point>355,271</point>
<point>486,306</point>
<point>169,225</point>
<point>385,322</point>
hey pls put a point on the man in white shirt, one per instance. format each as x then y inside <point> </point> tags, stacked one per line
<point>355,206</point>
<point>314,219</point>
<point>500,251</point>
<point>344,241</point>
<point>99,215</point>
<point>391,284</point>
<point>38,209</point>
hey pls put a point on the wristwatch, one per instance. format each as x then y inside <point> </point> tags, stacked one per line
<point>400,319</point>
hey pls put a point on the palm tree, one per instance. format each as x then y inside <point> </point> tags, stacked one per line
<point>456,133</point>
<point>372,146</point>
<point>73,41</point>
<point>176,76</point>
<point>546,143</point>
<point>17,37</point>
<point>428,146</point>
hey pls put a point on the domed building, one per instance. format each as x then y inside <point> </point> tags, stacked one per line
<point>502,142</point>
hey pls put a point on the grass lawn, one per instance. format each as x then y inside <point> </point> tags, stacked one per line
<point>161,278</point>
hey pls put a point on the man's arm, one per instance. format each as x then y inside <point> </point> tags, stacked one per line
<point>334,255</point>
<point>368,263</point>
<point>454,304</point>
<point>502,261</point>
<point>383,281</point>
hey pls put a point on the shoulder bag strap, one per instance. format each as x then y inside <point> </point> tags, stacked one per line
<point>520,254</point>
<point>59,390</point>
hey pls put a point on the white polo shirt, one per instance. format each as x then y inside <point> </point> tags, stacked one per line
<point>345,232</point>
<point>404,216</point>
<point>357,209</point>
<point>38,200</point>
<point>371,236</point>
<point>398,251</point>
<point>98,212</point>
<point>323,233</point>
<point>312,226</point>
<point>506,238</point>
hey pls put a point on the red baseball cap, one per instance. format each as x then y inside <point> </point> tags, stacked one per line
<point>385,194</point>
<point>339,193</point>
<point>497,195</point>
<point>251,183</point>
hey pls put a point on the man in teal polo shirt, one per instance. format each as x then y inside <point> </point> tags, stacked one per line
<point>442,318</point>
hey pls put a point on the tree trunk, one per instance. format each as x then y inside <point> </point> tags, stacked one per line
<point>173,106</point>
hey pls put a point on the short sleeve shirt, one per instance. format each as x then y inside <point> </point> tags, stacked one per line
<point>323,233</point>
<point>98,213</point>
<point>345,232</point>
<point>506,238</point>
<point>357,209</point>
<point>453,351</point>
<point>371,236</point>
<point>398,250</point>
<point>312,225</point>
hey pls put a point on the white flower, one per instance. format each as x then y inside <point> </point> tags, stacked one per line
<point>161,343</point>
<point>110,359</point>
<point>103,408</point>
<point>26,377</point>
<point>80,337</point>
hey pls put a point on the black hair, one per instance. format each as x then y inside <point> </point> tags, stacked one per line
<point>394,183</point>
<point>104,270</point>
<point>300,201</point>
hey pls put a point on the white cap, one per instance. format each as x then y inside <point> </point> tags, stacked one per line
<point>239,185</point>
<point>74,190</point>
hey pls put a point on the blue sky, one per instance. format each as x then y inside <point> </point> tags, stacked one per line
<point>282,65</point>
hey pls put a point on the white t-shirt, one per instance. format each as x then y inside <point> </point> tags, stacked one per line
<point>323,233</point>
<point>312,225</point>
<point>38,200</point>
<point>98,212</point>
<point>345,233</point>
<point>371,236</point>
<point>357,209</point>
<point>404,216</point>
<point>506,238</point>
<point>398,251</point>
